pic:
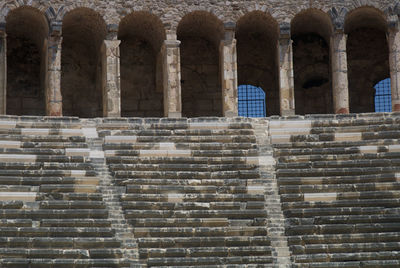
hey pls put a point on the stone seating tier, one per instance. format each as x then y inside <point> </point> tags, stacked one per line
<point>339,187</point>
<point>312,191</point>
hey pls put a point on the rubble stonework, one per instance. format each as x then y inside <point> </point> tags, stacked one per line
<point>71,35</point>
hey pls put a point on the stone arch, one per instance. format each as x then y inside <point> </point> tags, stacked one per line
<point>84,31</point>
<point>142,35</point>
<point>311,30</point>
<point>257,59</point>
<point>367,54</point>
<point>26,61</point>
<point>200,33</point>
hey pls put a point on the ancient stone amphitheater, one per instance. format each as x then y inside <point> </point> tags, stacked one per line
<point>121,144</point>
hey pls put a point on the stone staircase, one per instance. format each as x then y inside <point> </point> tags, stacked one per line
<point>338,178</point>
<point>313,191</point>
<point>193,191</point>
<point>52,213</point>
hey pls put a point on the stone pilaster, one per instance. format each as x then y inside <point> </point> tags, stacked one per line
<point>53,76</point>
<point>228,65</point>
<point>3,70</point>
<point>111,78</point>
<point>172,78</point>
<point>340,84</point>
<point>394,61</point>
<point>286,75</point>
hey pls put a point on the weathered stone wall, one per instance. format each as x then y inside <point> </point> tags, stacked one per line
<point>25,95</point>
<point>264,52</point>
<point>313,91</point>
<point>368,61</point>
<point>201,93</point>
<point>256,38</point>
<point>139,95</point>
<point>83,33</point>
<point>25,54</point>
<point>171,11</point>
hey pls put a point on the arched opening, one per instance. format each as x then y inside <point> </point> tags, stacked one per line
<point>83,33</point>
<point>251,101</point>
<point>142,35</point>
<point>367,55</point>
<point>383,96</point>
<point>200,33</point>
<point>257,37</point>
<point>311,31</point>
<point>27,31</point>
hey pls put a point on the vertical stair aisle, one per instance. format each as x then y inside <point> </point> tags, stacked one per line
<point>276,221</point>
<point>111,195</point>
<point>193,195</point>
<point>339,183</point>
<point>51,211</point>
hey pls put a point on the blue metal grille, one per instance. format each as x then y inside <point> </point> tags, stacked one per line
<point>251,101</point>
<point>383,96</point>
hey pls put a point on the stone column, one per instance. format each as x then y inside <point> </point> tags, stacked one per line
<point>228,72</point>
<point>111,78</point>
<point>286,75</point>
<point>172,78</point>
<point>3,70</point>
<point>53,76</point>
<point>340,84</point>
<point>394,61</point>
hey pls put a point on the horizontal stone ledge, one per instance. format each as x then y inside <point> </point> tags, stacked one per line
<point>260,160</point>
<point>209,125</point>
<point>71,132</point>
<point>90,132</point>
<point>290,131</point>
<point>167,146</point>
<point>78,173</point>
<point>350,136</point>
<point>18,196</point>
<point>292,124</point>
<point>10,158</point>
<point>369,149</point>
<point>96,154</point>
<point>280,138</point>
<point>7,124</point>
<point>256,189</point>
<point>77,152</point>
<point>10,144</point>
<point>395,148</point>
<point>169,153</point>
<point>120,139</point>
<point>48,131</point>
<point>315,197</point>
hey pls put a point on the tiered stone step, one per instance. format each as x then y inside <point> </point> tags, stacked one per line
<point>193,192</point>
<point>339,183</point>
<point>51,213</point>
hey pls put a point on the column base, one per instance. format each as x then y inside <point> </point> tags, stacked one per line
<point>174,115</point>
<point>54,109</point>
<point>343,111</point>
<point>230,114</point>
<point>287,112</point>
<point>396,108</point>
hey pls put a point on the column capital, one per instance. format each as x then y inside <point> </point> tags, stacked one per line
<point>55,28</point>
<point>284,30</point>
<point>393,23</point>
<point>2,28</point>
<point>229,31</point>
<point>112,32</point>
<point>338,16</point>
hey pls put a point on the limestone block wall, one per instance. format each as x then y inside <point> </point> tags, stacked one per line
<point>217,46</point>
